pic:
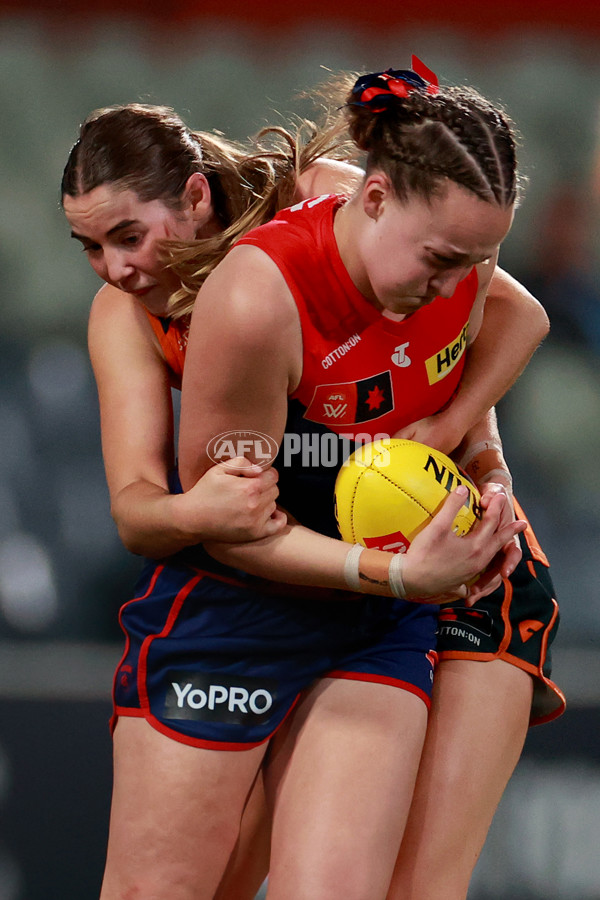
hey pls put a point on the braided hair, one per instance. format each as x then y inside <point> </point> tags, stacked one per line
<point>419,134</point>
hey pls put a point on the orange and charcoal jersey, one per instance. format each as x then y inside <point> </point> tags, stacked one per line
<point>172,335</point>
<point>365,374</point>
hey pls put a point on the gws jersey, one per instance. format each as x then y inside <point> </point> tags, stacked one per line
<point>172,335</point>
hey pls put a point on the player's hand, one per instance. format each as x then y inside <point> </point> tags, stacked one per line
<point>508,557</point>
<point>437,431</point>
<point>439,565</point>
<point>241,499</point>
<point>511,553</point>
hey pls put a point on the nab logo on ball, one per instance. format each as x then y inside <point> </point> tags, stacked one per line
<point>255,446</point>
<point>449,478</point>
<point>388,491</point>
<point>392,543</point>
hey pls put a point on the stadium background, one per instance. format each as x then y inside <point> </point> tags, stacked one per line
<point>63,573</point>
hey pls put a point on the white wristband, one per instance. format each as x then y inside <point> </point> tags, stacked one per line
<point>494,474</point>
<point>351,573</point>
<point>476,449</point>
<point>395,576</point>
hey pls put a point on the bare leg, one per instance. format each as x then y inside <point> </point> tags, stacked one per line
<point>249,863</point>
<point>342,779</point>
<point>175,815</point>
<point>477,728</point>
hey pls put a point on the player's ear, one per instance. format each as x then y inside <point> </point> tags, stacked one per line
<point>198,196</point>
<point>376,190</point>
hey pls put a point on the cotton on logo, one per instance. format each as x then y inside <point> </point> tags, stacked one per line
<point>461,617</point>
<point>255,446</point>
<point>399,357</point>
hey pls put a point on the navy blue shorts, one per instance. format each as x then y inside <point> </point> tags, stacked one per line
<point>517,623</point>
<point>212,663</point>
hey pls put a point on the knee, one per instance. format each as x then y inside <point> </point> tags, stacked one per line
<point>188,869</point>
<point>330,882</point>
<point>443,876</point>
<point>176,884</point>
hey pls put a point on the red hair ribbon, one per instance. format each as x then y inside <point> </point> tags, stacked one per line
<point>380,90</point>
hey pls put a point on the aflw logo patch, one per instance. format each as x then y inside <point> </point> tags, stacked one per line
<point>352,402</point>
<point>211,697</point>
<point>442,363</point>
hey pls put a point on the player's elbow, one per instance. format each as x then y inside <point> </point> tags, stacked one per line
<point>130,538</point>
<point>541,323</point>
<point>134,540</point>
<point>534,318</point>
<point>142,545</point>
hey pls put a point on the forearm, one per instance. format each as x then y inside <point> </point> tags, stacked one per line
<point>437,565</point>
<point>513,325</point>
<point>151,521</point>
<point>298,555</point>
<point>481,455</point>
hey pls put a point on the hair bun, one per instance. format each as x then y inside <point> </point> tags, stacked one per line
<point>379,91</point>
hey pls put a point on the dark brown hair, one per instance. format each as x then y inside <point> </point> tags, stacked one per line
<point>421,139</point>
<point>150,150</point>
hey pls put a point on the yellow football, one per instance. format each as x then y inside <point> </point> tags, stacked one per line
<point>386,492</point>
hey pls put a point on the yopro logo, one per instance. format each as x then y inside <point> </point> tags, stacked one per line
<point>218,698</point>
<point>259,448</point>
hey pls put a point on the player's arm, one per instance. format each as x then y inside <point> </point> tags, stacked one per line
<point>237,377</point>
<point>506,327</point>
<point>138,447</point>
<point>513,324</point>
<point>243,357</point>
<point>435,568</point>
<point>481,455</point>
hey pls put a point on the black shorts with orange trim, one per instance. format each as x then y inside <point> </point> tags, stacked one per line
<point>517,623</point>
<point>213,663</point>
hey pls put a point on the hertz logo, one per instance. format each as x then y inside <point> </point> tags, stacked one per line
<point>442,363</point>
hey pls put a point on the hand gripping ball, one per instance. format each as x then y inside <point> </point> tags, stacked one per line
<point>388,491</point>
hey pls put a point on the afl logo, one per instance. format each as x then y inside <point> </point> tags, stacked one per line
<point>260,449</point>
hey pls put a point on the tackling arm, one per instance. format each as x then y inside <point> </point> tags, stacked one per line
<point>504,334</point>
<point>227,387</point>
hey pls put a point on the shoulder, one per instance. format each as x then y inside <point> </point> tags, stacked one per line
<point>245,310</point>
<point>112,305</point>
<point>328,176</point>
<point>249,288</point>
<point>118,322</point>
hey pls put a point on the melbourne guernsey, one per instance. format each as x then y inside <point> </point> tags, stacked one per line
<point>365,374</point>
